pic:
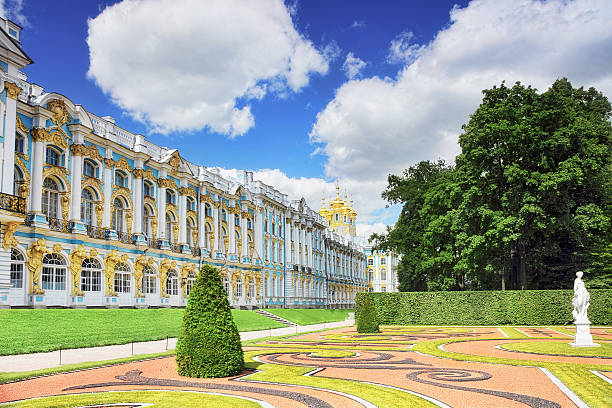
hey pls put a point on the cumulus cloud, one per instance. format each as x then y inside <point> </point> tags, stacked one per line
<point>184,66</point>
<point>352,65</point>
<point>375,126</point>
<point>402,49</point>
<point>13,10</point>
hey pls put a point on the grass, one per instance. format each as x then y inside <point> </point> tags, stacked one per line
<point>562,349</point>
<point>160,399</point>
<point>311,316</point>
<point>39,330</point>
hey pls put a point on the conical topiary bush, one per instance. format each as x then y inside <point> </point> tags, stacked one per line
<point>209,343</point>
<point>367,322</point>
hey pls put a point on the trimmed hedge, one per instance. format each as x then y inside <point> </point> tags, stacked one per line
<point>367,321</point>
<point>525,307</point>
<point>209,343</point>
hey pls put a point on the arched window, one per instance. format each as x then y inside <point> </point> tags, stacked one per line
<point>238,287</point>
<point>170,197</point>
<point>53,272</point>
<point>87,207</point>
<point>149,280</point>
<point>265,225</point>
<point>249,223</point>
<point>147,217</point>
<point>19,143</point>
<point>251,289</point>
<point>170,223</point>
<point>226,285</point>
<point>149,190</point>
<point>17,265</point>
<point>18,180</point>
<point>238,241</point>
<point>118,215</point>
<point>54,157</point>
<point>190,281</point>
<point>274,291</point>
<point>191,204</point>
<point>91,275</point>
<point>123,278</point>
<point>224,215</point>
<point>207,210</point>
<point>120,178</point>
<point>90,168</point>
<point>383,274</point>
<point>383,260</point>
<point>50,198</point>
<point>172,286</point>
<point>190,230</point>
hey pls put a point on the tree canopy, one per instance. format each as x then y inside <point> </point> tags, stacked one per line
<point>527,204</point>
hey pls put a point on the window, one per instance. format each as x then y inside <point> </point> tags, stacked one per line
<point>19,144</point>
<point>122,278</point>
<point>370,261</point>
<point>172,287</point>
<point>383,289</point>
<point>170,223</point>
<point>190,281</point>
<point>147,217</point>
<point>87,207</point>
<point>191,204</point>
<point>148,189</point>
<point>273,228</point>
<point>265,225</point>
<point>50,198</point>
<point>18,180</point>
<point>17,262</point>
<point>117,215</point>
<point>91,275</point>
<point>370,275</point>
<point>53,157</point>
<point>383,274</point>
<point>226,285</point>
<point>275,286</point>
<point>207,210</point>
<point>148,280</point>
<point>90,169</point>
<point>237,220</point>
<point>251,290</point>
<point>54,272</point>
<point>239,287</point>
<point>249,223</point>
<point>238,242</point>
<point>120,179</point>
<point>224,215</point>
<point>190,231</point>
<point>383,260</point>
<point>169,197</point>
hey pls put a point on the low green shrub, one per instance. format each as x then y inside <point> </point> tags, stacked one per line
<point>209,343</point>
<point>524,307</point>
<point>366,319</point>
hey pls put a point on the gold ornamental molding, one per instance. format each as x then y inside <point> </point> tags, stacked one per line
<point>165,266</point>
<point>139,264</point>
<point>110,261</point>
<point>94,184</point>
<point>122,192</point>
<point>121,164</point>
<point>34,263</point>
<point>192,214</point>
<point>12,90</point>
<point>43,135</point>
<point>188,191</point>
<point>167,183</point>
<point>9,240</point>
<point>206,198</point>
<point>172,208</point>
<point>76,264</point>
<point>138,173</point>
<point>21,127</point>
<point>60,113</point>
<point>151,201</point>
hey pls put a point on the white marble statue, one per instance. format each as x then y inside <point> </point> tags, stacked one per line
<point>580,302</point>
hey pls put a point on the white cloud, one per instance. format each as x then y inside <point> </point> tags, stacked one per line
<point>182,66</point>
<point>365,230</point>
<point>13,10</point>
<point>402,49</point>
<point>358,24</point>
<point>375,126</point>
<point>352,65</point>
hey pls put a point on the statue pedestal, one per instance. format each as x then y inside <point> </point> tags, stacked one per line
<point>583,336</point>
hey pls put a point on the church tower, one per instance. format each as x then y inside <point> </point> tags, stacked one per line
<point>341,217</point>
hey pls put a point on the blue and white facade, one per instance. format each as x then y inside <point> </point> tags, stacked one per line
<point>381,270</point>
<point>93,215</point>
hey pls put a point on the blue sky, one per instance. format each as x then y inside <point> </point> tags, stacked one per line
<point>306,119</point>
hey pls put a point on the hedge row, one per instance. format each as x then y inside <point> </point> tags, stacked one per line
<point>526,307</point>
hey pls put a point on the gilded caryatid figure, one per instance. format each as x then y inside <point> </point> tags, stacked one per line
<point>139,264</point>
<point>186,269</point>
<point>110,261</point>
<point>164,267</point>
<point>76,264</point>
<point>35,254</point>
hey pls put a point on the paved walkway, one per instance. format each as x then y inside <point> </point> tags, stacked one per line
<point>38,361</point>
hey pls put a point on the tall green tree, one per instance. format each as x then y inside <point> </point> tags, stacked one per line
<point>533,168</point>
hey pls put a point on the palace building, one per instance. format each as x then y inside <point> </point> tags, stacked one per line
<point>94,215</point>
<point>381,270</point>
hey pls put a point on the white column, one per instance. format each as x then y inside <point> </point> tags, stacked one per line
<point>231,226</point>
<point>183,215</point>
<point>138,200</point>
<point>8,167</point>
<point>38,158</point>
<point>201,222</point>
<point>216,224</point>
<point>259,233</point>
<point>75,199</point>
<point>243,234</point>
<point>108,189</point>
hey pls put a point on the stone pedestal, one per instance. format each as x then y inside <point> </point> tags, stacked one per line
<point>77,301</point>
<point>111,302</point>
<point>583,336</point>
<point>37,301</point>
<point>140,303</point>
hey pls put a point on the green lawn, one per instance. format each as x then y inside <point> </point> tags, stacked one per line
<point>36,330</point>
<point>311,316</point>
<point>563,349</point>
